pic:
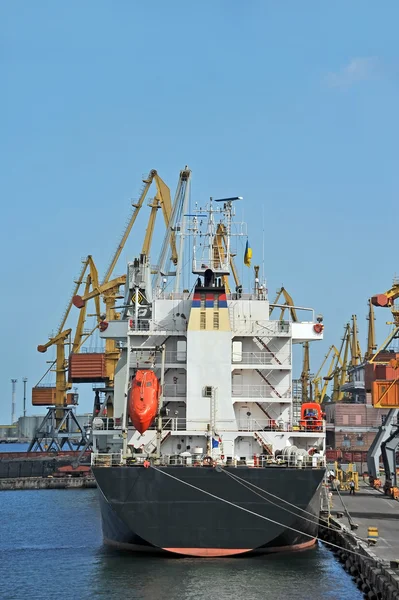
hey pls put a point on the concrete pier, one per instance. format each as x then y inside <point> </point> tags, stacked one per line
<point>374,566</point>
<point>46,483</point>
<point>371,508</point>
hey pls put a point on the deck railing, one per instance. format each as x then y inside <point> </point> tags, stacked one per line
<point>248,425</point>
<point>261,358</point>
<point>166,460</point>
<point>258,391</point>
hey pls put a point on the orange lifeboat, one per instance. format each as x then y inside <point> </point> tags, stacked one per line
<point>143,400</point>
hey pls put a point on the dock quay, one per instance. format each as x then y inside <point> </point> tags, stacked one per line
<point>46,483</point>
<point>367,540</point>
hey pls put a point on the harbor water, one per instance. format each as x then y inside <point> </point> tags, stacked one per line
<point>51,544</point>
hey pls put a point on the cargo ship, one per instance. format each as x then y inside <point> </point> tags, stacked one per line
<point>205,454</point>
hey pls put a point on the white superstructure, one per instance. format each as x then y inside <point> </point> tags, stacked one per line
<point>226,367</point>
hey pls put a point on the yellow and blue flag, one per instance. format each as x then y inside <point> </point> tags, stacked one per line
<point>247,255</point>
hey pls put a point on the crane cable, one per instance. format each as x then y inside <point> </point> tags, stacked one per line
<point>251,512</point>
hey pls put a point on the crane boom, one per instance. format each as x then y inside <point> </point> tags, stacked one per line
<point>289,303</point>
<point>356,353</point>
<point>371,342</point>
<point>305,372</point>
<point>86,262</point>
<point>162,200</point>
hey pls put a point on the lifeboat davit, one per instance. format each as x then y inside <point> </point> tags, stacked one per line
<point>143,400</point>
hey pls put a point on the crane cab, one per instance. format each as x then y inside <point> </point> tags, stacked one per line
<point>311,417</point>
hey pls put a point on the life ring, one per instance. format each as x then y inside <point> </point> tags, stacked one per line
<point>318,328</point>
<point>208,461</point>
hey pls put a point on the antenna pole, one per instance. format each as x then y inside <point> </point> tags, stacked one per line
<point>13,388</point>
<point>25,379</point>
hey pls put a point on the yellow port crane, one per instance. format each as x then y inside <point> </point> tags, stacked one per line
<point>305,375</point>
<point>288,304</point>
<point>319,395</point>
<point>161,200</point>
<point>219,256</point>
<point>387,300</point>
<point>371,340</point>
<point>338,373</point>
<point>58,395</point>
<point>356,353</point>
<point>109,288</point>
<point>109,292</point>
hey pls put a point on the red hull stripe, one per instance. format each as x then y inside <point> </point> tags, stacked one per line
<point>207,552</point>
<point>215,552</point>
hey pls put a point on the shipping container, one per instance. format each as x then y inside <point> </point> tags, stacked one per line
<point>88,367</point>
<point>384,372</point>
<point>43,396</point>
<point>385,394</point>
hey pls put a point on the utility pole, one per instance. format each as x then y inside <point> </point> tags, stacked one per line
<point>14,386</point>
<point>25,379</point>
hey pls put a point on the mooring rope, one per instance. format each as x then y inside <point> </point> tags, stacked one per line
<point>251,512</point>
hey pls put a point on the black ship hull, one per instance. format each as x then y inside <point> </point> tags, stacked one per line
<point>155,510</point>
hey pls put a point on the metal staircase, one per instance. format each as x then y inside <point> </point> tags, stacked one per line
<point>268,382</point>
<point>262,345</point>
<point>265,445</point>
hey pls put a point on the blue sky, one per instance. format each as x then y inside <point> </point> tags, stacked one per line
<point>292,105</point>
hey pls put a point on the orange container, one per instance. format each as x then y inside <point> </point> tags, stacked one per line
<point>390,399</point>
<point>87,367</point>
<point>43,396</point>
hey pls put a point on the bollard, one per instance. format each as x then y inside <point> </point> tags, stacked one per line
<point>372,535</point>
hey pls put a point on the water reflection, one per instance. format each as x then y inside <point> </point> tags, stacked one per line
<point>310,574</point>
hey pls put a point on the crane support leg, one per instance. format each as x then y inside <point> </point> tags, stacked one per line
<point>388,451</point>
<point>384,432</point>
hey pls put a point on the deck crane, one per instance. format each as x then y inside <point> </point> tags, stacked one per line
<point>385,394</point>
<point>318,394</point>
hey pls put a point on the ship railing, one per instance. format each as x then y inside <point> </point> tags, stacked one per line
<point>113,459</point>
<point>254,461</point>
<point>101,423</point>
<point>261,358</point>
<point>164,295</point>
<point>202,460</point>
<point>246,296</point>
<point>249,425</point>
<point>259,391</point>
<point>150,325</point>
<point>262,328</point>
